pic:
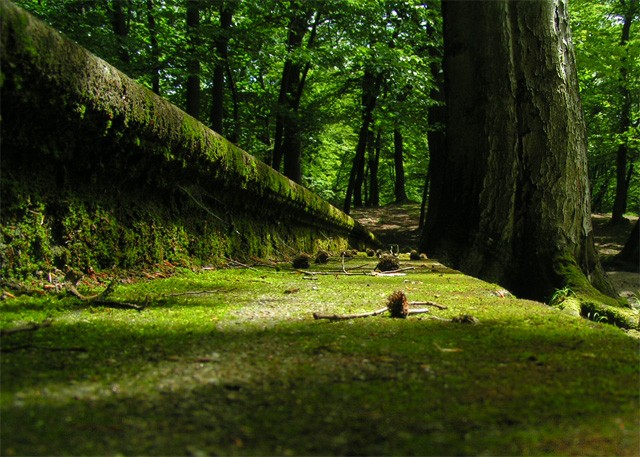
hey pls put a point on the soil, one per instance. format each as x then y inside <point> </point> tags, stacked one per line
<point>396,226</point>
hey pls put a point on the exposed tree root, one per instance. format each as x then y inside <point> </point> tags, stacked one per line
<point>71,281</point>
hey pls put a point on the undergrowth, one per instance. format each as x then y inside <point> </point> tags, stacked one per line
<point>232,362</point>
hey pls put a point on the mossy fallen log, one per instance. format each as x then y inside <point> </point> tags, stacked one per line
<point>98,171</point>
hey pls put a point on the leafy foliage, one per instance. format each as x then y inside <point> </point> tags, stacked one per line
<point>399,39</point>
<point>602,61</point>
<point>391,36</point>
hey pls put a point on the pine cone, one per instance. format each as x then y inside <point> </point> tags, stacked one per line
<point>398,305</point>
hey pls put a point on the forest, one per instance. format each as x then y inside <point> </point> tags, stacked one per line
<point>321,90</point>
<point>319,227</point>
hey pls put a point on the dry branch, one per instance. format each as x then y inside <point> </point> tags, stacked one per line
<point>427,303</point>
<point>397,305</point>
<point>339,317</point>
<point>99,299</point>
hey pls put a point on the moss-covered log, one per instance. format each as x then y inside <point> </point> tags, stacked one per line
<point>97,171</point>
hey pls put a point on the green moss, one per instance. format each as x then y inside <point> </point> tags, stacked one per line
<point>573,277</point>
<point>115,157</point>
<point>225,362</point>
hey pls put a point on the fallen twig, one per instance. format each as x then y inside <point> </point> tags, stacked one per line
<point>338,317</point>
<point>418,311</point>
<point>99,299</point>
<point>394,272</point>
<point>30,327</point>
<point>241,264</point>
<point>427,303</point>
<point>397,305</point>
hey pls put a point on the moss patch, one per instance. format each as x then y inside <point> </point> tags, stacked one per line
<point>227,362</point>
<point>122,178</point>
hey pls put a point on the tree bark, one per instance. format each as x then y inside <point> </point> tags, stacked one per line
<point>370,90</point>
<point>155,50</point>
<point>287,142</point>
<point>622,184</point>
<point>513,194</point>
<point>220,65</point>
<point>630,253</point>
<point>193,59</point>
<point>398,161</point>
<point>436,139</point>
<point>374,163</point>
<point>119,22</point>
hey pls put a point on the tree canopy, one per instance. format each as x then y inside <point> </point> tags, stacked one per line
<point>310,66</point>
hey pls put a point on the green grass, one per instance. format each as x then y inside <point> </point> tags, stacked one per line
<point>225,362</point>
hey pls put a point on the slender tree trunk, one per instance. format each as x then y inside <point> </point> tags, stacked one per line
<point>425,197</point>
<point>398,161</point>
<point>374,163</point>
<point>235,134</point>
<point>155,49</point>
<point>193,59</point>
<point>630,253</point>
<point>287,144</point>
<point>514,197</point>
<point>120,24</point>
<point>620,202</point>
<point>436,139</point>
<point>370,91</point>
<point>220,65</point>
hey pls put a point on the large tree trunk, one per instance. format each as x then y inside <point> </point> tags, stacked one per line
<point>513,197</point>
<point>437,116</point>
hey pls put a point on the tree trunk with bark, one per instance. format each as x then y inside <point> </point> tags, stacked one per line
<point>193,59</point>
<point>398,161</point>
<point>371,83</point>
<point>287,142</point>
<point>219,68</point>
<point>374,164</point>
<point>155,50</point>
<point>120,24</point>
<point>513,197</point>
<point>622,183</point>
<point>630,254</point>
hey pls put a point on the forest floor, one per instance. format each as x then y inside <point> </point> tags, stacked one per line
<point>397,226</point>
<point>232,362</point>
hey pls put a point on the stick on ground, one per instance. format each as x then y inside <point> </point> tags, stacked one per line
<point>338,317</point>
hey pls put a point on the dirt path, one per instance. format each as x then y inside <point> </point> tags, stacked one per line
<point>392,224</point>
<point>398,225</point>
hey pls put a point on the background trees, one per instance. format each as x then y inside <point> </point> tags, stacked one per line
<point>306,86</point>
<point>346,89</point>
<point>608,55</point>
